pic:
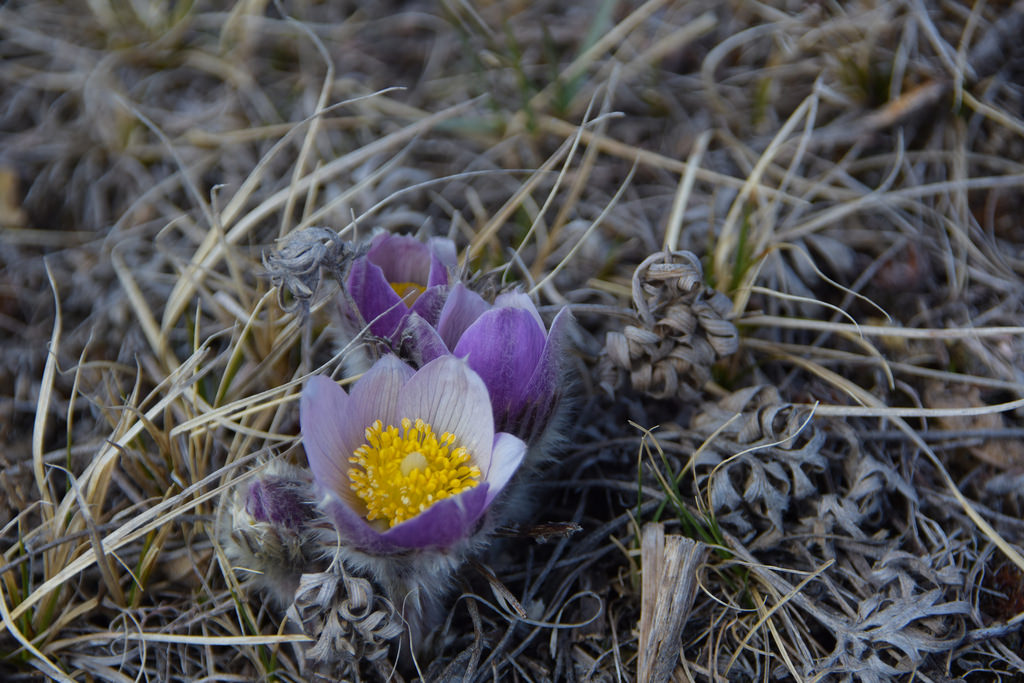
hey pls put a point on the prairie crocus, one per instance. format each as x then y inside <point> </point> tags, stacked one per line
<point>271,530</point>
<point>398,275</point>
<point>407,465</point>
<point>519,360</point>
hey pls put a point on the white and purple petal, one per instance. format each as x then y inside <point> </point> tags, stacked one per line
<point>461,309</point>
<point>401,258</point>
<point>516,299</point>
<point>375,394</point>
<point>440,526</point>
<point>329,432</point>
<point>506,457</point>
<point>353,527</point>
<point>449,396</point>
<point>442,260</point>
<point>334,423</point>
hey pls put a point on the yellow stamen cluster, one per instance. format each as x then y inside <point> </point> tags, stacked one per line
<point>399,474</point>
<point>408,291</point>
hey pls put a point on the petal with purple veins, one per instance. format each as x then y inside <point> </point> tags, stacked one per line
<point>450,397</point>
<point>503,346</point>
<point>519,300</point>
<point>379,305</point>
<point>354,528</point>
<point>401,258</point>
<point>439,526</point>
<point>461,310</point>
<point>331,431</point>
<point>375,394</point>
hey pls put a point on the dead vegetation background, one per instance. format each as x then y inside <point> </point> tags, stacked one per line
<point>824,395</point>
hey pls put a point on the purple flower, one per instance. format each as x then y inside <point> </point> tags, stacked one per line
<point>271,533</point>
<point>520,362</point>
<point>278,501</point>
<point>408,459</point>
<point>397,276</point>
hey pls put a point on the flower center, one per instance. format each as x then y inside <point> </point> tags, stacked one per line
<point>408,291</point>
<point>400,473</point>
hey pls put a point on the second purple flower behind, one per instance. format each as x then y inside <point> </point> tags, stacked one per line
<point>400,290</point>
<point>397,276</point>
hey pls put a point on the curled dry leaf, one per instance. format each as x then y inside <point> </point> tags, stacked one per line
<point>760,456</point>
<point>682,329</point>
<point>346,616</point>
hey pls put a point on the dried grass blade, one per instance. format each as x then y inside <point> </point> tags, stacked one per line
<point>218,641</point>
<point>95,475</point>
<point>895,198</point>
<point>1002,118</point>
<point>135,528</point>
<point>674,41</point>
<point>43,404</point>
<point>881,330</point>
<point>102,559</point>
<point>501,215</point>
<point>886,411</point>
<point>214,248</point>
<point>500,591</point>
<point>590,228</point>
<point>157,340</point>
<point>675,217</point>
<point>643,156</point>
<point>767,615</point>
<point>545,246</point>
<point>314,126</point>
<point>728,238</point>
<point>287,132</point>
<point>39,659</point>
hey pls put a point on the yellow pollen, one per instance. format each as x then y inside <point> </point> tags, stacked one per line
<point>408,291</point>
<point>399,473</point>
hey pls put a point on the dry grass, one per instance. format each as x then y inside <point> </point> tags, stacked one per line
<point>849,176</point>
